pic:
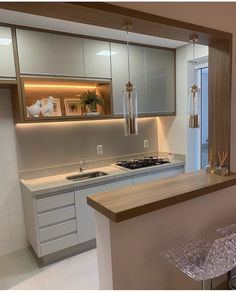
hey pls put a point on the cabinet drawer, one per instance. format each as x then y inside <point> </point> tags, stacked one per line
<point>59,244</point>
<point>55,201</point>
<point>57,230</point>
<point>56,216</point>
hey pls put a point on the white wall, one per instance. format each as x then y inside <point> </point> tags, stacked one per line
<point>173,133</point>
<point>12,225</point>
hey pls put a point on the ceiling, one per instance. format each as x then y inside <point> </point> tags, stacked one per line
<point>25,19</point>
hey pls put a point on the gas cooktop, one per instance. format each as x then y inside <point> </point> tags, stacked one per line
<point>140,163</point>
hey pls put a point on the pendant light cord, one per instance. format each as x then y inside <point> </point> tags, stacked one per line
<point>194,49</point>
<point>127,41</point>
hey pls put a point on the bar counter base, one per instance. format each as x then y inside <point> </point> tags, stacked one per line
<point>129,252</point>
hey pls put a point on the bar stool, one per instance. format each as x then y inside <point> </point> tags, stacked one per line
<point>226,231</point>
<point>203,259</point>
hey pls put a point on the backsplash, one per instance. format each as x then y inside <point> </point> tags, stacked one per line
<point>51,145</point>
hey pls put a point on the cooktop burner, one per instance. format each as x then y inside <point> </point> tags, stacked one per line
<point>140,163</point>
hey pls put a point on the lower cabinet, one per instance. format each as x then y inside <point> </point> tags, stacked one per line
<point>56,221</point>
<point>85,214</point>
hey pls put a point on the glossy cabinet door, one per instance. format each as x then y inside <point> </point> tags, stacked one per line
<point>137,75</point>
<point>35,52</point>
<point>67,55</point>
<point>85,213</point>
<point>119,62</point>
<point>97,59</point>
<point>7,64</point>
<point>160,80</point>
<point>119,75</point>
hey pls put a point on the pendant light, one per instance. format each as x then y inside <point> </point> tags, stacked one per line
<point>130,97</point>
<point>194,90</point>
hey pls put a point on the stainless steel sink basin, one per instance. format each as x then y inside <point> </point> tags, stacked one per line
<point>88,175</point>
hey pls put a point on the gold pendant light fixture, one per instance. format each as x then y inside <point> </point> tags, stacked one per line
<point>194,104</point>
<point>130,97</point>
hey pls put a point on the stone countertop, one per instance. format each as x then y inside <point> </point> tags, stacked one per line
<point>57,183</point>
<point>132,201</point>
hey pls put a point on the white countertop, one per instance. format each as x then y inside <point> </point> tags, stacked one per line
<point>56,183</point>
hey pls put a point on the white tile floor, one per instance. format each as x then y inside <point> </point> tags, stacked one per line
<point>19,271</point>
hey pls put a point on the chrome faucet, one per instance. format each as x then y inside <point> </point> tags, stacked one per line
<point>82,164</point>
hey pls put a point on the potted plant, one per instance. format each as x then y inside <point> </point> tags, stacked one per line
<point>90,100</point>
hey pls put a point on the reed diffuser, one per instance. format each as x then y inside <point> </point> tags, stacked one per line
<point>222,168</point>
<point>210,167</point>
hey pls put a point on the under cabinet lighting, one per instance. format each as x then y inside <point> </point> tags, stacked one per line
<point>59,86</point>
<point>5,41</point>
<point>106,53</point>
<point>80,122</point>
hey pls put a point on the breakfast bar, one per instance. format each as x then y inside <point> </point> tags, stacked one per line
<point>135,224</point>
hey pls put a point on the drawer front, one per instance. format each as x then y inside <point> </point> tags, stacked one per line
<point>151,177</point>
<point>55,201</point>
<point>57,230</point>
<point>56,216</point>
<point>59,244</point>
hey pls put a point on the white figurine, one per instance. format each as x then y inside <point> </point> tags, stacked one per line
<point>48,108</point>
<point>34,109</point>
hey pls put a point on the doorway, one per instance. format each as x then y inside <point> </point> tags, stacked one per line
<point>202,81</point>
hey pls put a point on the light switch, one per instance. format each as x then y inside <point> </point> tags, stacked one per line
<point>145,144</point>
<point>99,149</point>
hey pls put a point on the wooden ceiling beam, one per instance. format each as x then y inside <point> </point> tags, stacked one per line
<point>112,16</point>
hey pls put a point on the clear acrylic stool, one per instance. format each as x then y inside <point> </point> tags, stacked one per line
<point>226,231</point>
<point>203,259</point>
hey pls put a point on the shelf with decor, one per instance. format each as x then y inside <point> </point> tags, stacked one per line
<point>55,99</point>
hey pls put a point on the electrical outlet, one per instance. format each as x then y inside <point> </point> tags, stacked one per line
<point>99,149</point>
<point>145,144</point>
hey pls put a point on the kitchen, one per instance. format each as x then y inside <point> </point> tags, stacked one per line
<point>58,146</point>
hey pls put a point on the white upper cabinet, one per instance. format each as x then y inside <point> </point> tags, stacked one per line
<point>35,52</point>
<point>137,75</point>
<point>97,59</point>
<point>119,61</point>
<point>50,54</point>
<point>7,64</point>
<point>152,71</point>
<point>119,75</point>
<point>160,80</point>
<point>67,55</point>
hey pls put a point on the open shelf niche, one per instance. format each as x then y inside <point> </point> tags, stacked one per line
<point>65,95</point>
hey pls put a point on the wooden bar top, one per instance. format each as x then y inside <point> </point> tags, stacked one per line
<point>132,201</point>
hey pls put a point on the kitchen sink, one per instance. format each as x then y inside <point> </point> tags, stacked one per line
<point>88,175</point>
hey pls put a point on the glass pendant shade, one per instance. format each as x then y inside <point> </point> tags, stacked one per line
<point>130,109</point>
<point>194,107</point>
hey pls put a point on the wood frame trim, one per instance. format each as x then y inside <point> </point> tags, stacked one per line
<point>109,15</point>
<point>112,16</point>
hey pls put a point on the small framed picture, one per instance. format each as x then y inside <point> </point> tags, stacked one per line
<point>56,107</point>
<point>72,107</point>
